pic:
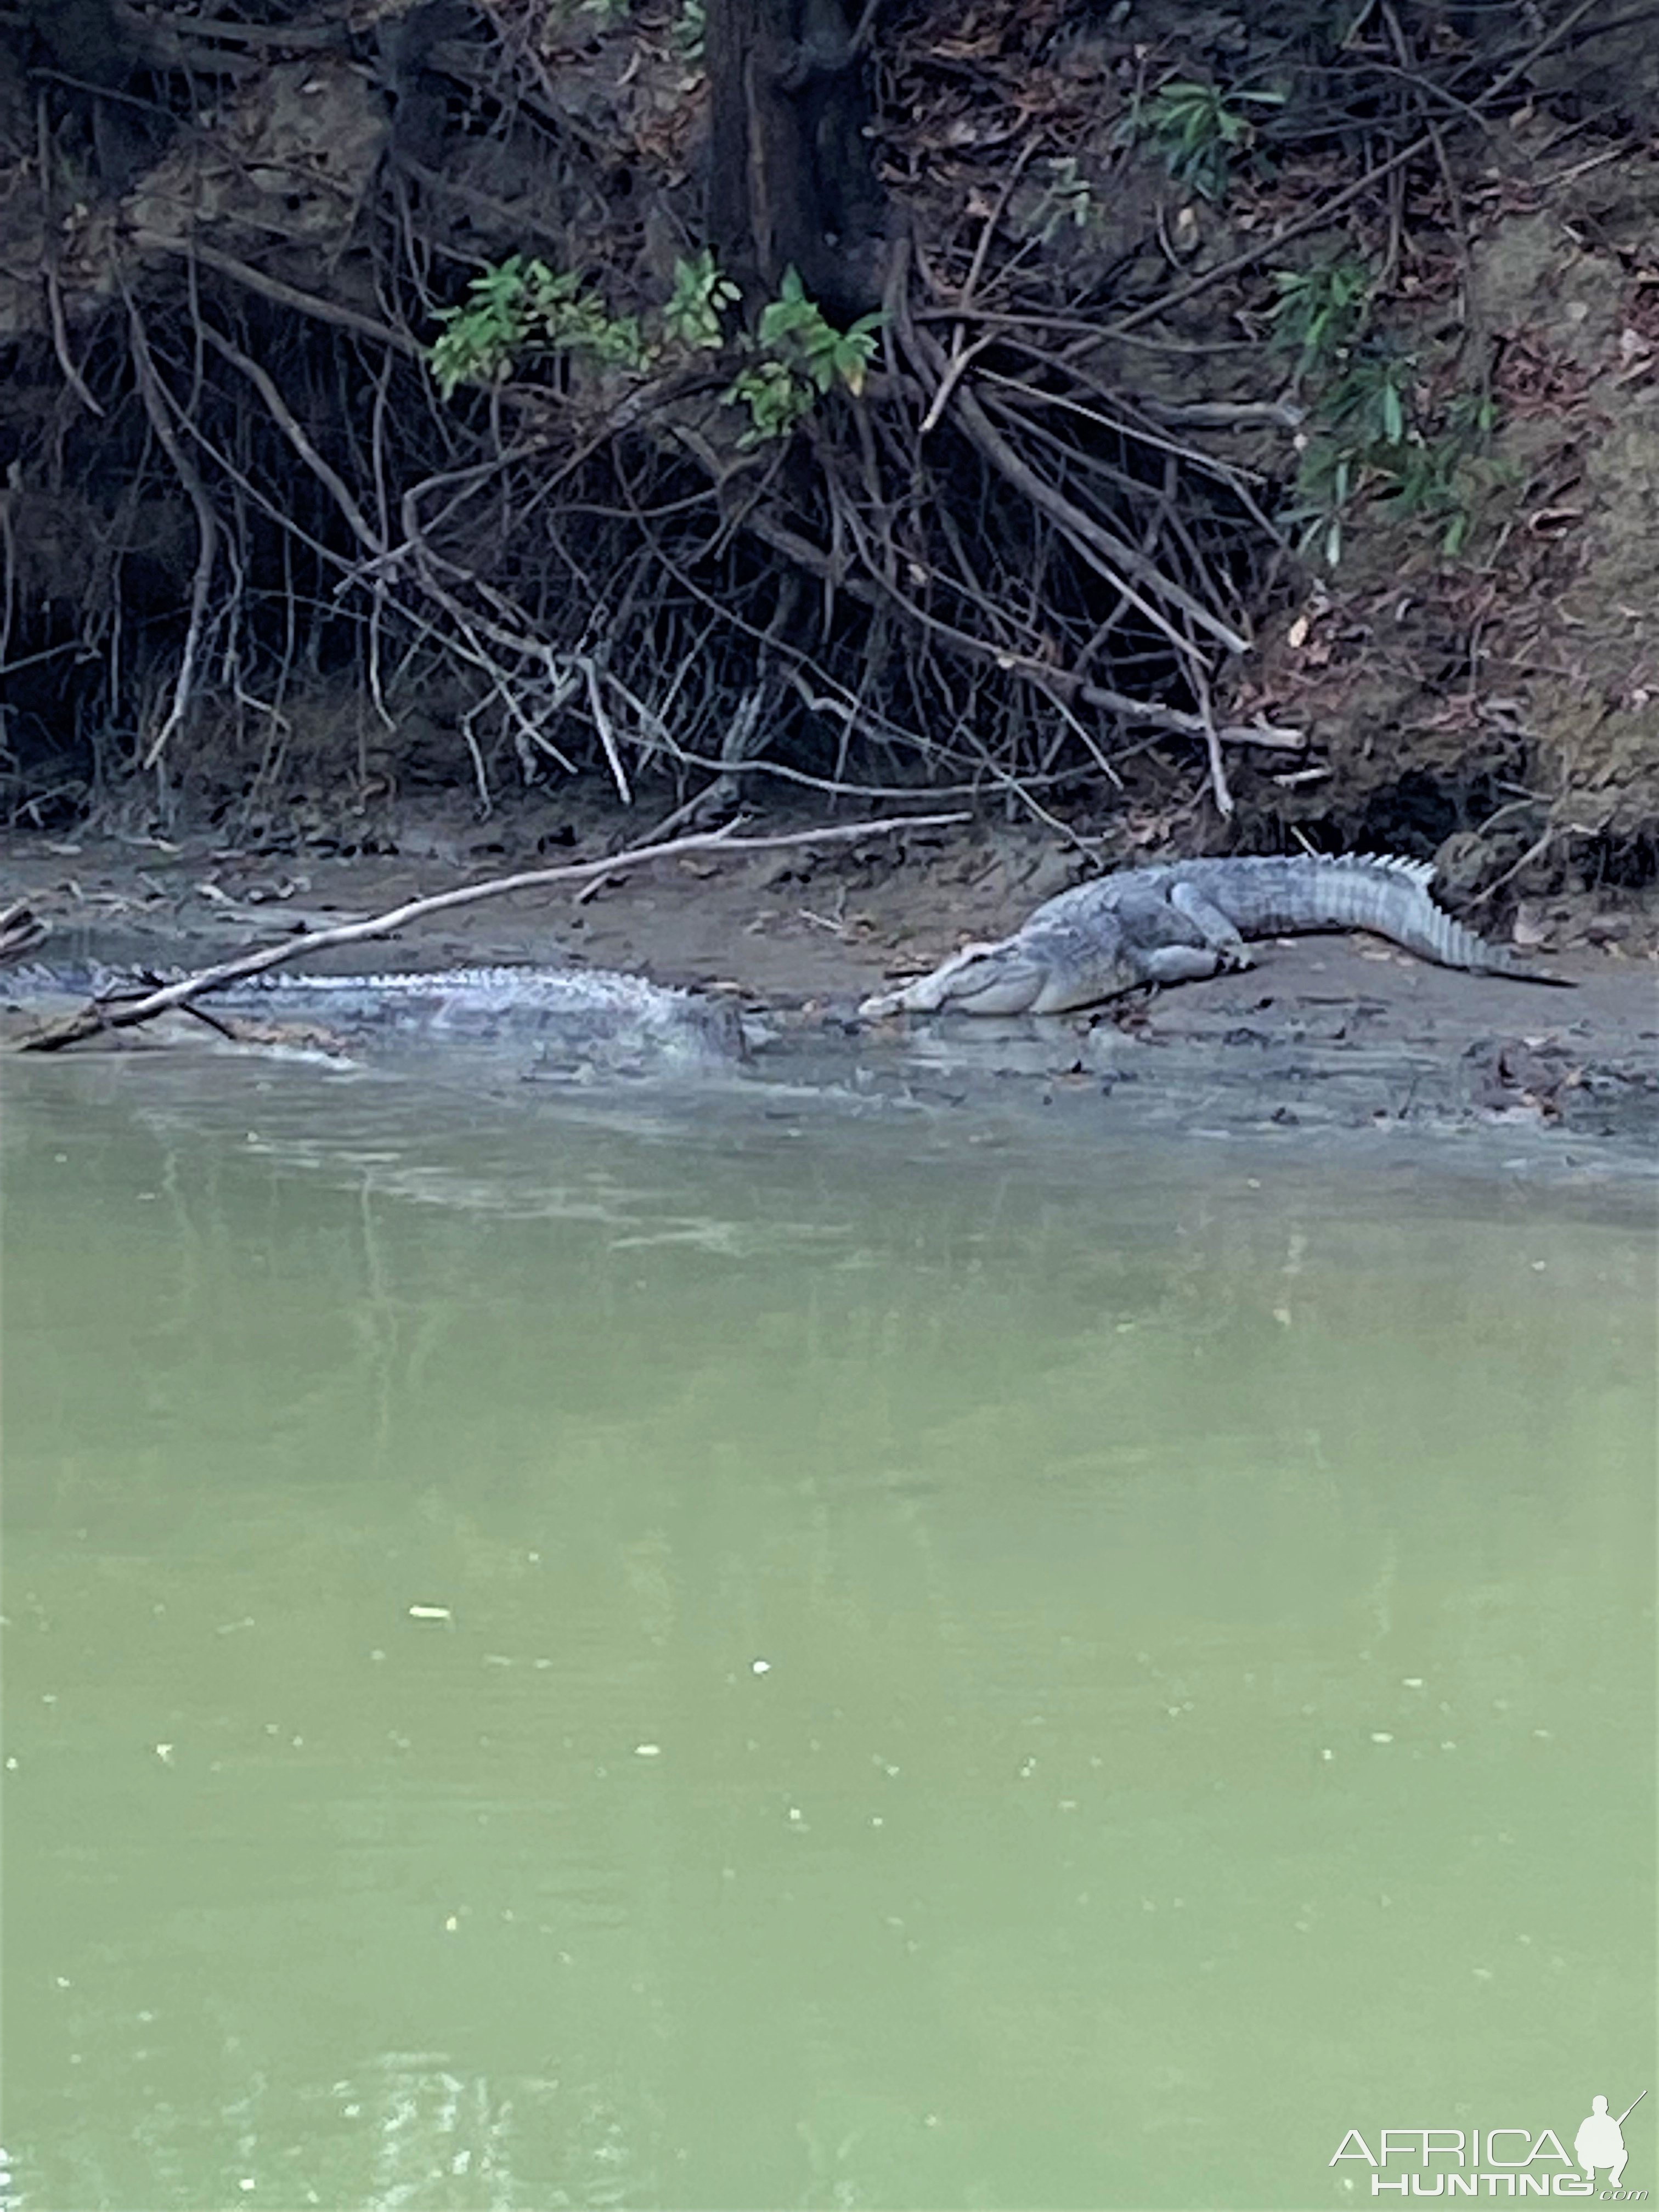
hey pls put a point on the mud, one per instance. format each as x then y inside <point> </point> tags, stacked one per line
<point>1323,1034</point>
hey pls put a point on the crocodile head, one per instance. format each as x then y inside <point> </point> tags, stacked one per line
<point>1042,972</point>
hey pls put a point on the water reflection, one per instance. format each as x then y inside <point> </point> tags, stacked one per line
<point>758,1663</point>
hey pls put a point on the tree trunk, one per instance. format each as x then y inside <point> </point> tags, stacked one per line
<point>791,179</point>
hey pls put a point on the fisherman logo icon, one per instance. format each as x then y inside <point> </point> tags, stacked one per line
<point>1600,2141</point>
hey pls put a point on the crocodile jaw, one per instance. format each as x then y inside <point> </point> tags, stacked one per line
<point>1009,977</point>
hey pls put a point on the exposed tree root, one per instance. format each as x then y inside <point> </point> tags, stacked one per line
<point>993,571</point>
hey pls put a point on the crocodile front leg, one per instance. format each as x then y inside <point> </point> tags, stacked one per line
<point>1179,964</point>
<point>1216,928</point>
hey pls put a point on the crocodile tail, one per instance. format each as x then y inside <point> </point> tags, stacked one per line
<point>1417,920</point>
<point>1380,892</point>
<point>1460,946</point>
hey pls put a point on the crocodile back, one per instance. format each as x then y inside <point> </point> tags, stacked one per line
<point>1271,895</point>
<point>574,1015</point>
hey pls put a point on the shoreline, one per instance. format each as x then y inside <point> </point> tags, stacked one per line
<point>1324,1031</point>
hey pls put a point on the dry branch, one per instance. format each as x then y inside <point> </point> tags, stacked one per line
<point>207,525</point>
<point>283,295</point>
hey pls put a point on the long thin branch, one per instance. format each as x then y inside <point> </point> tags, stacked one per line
<point>96,1019</point>
<point>191,248</point>
<point>207,525</point>
<point>1150,713</point>
<point>1103,549</point>
<point>289,423</point>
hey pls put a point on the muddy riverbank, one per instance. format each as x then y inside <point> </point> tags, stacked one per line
<point>1324,1032</point>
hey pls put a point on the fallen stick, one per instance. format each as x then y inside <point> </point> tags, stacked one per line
<point>96,1017</point>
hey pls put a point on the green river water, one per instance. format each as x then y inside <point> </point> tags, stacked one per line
<point>748,1653</point>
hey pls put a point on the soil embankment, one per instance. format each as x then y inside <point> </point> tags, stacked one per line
<point>1251,438</point>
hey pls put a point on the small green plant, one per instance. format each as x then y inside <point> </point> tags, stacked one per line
<point>1357,439</point>
<point>521,307</point>
<point>804,356</point>
<point>1320,312</point>
<point>794,329</point>
<point>1367,434</point>
<point>1197,130</point>
<point>1067,196</point>
<point>778,401</point>
<point>1369,404</point>
<point>691,31</point>
<point>1367,430</point>
<point>481,338</point>
<point>1442,475</point>
<point>700,297</point>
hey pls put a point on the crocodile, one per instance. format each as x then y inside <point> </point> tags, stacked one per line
<point>1181,921</point>
<point>580,1016</point>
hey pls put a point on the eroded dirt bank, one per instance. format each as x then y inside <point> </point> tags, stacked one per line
<point>1324,1032</point>
<point>1348,325</point>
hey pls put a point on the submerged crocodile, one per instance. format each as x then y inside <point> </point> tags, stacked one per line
<point>578,1016</point>
<point>1178,922</point>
